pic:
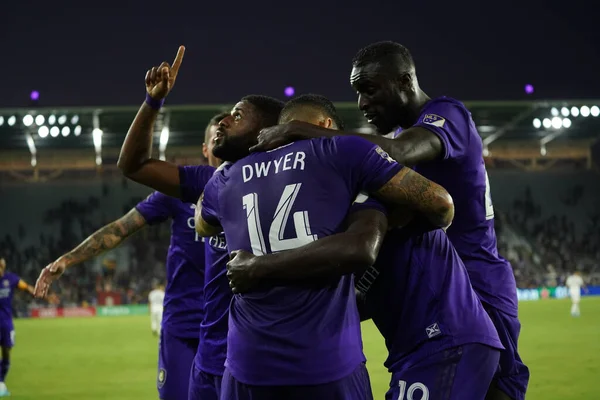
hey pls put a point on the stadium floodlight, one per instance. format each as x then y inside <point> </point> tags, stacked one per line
<point>33,161</point>
<point>556,123</point>
<point>12,120</point>
<point>65,131</point>
<point>97,137</point>
<point>486,151</point>
<point>43,131</point>
<point>537,124</point>
<point>62,119</point>
<point>74,119</point>
<point>98,159</point>
<point>543,151</point>
<point>595,111</point>
<point>584,111</point>
<point>52,119</point>
<point>554,111</point>
<point>566,122</point>
<point>1,120</point>
<point>564,111</point>
<point>77,130</point>
<point>575,111</point>
<point>28,120</point>
<point>39,120</point>
<point>547,123</point>
<point>54,131</point>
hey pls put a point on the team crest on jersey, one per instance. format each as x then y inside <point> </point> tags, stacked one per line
<point>5,283</point>
<point>384,155</point>
<point>162,377</point>
<point>433,330</point>
<point>435,120</point>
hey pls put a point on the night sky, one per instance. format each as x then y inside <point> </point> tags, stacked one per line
<point>78,54</point>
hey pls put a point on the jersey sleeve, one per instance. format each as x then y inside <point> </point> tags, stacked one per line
<point>156,208</point>
<point>210,202</point>
<point>365,165</point>
<point>192,180</point>
<point>364,202</point>
<point>451,123</point>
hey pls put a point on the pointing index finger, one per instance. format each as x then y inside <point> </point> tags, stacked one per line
<point>178,60</point>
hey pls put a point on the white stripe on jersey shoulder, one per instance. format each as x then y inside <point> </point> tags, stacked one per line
<point>222,166</point>
<point>280,147</point>
<point>361,198</point>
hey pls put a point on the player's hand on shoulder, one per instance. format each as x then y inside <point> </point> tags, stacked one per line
<point>279,135</point>
<point>48,275</point>
<point>241,271</point>
<point>160,80</point>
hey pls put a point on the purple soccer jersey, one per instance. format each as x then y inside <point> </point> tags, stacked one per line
<point>8,283</point>
<point>212,351</point>
<point>183,304</point>
<point>280,200</point>
<point>461,171</point>
<point>422,301</point>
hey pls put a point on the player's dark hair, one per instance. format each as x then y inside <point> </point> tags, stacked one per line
<point>268,108</point>
<point>316,101</point>
<point>214,121</point>
<point>388,53</point>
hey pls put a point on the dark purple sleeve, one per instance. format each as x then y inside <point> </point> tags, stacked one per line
<point>451,122</point>
<point>156,208</point>
<point>364,202</point>
<point>366,165</point>
<point>192,180</point>
<point>210,202</point>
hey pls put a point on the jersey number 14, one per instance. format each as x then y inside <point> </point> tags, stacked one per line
<point>280,218</point>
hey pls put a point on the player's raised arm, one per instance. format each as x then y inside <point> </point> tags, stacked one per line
<point>135,160</point>
<point>351,251</point>
<point>24,286</point>
<point>106,238</point>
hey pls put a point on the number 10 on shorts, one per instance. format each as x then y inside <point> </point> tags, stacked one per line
<point>412,389</point>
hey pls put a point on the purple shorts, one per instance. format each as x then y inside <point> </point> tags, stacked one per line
<point>7,336</point>
<point>175,359</point>
<point>204,386</point>
<point>512,376</point>
<point>459,373</point>
<point>355,386</point>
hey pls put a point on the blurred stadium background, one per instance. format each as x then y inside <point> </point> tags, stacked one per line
<point>59,183</point>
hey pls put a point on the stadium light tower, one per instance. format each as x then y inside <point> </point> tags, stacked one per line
<point>164,137</point>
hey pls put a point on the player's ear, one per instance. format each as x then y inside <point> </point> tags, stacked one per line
<point>326,123</point>
<point>205,150</point>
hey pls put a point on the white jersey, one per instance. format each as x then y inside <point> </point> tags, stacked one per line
<point>574,283</point>
<point>155,299</point>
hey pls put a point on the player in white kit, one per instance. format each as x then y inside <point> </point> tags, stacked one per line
<point>575,283</point>
<point>155,301</point>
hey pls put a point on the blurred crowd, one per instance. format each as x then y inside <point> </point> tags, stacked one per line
<point>542,250</point>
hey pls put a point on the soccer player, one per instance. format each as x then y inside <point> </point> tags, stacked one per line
<point>184,301</point>
<point>418,293</point>
<point>302,340</point>
<point>9,282</point>
<point>575,283</point>
<point>187,183</point>
<point>438,137</point>
<point>155,302</point>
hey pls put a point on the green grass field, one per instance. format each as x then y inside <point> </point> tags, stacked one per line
<point>115,358</point>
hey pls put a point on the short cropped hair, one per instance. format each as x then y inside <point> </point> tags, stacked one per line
<point>214,121</point>
<point>268,108</point>
<point>314,101</point>
<point>390,54</point>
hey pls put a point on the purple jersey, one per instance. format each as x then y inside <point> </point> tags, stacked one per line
<point>211,354</point>
<point>422,301</point>
<point>183,304</point>
<point>8,284</point>
<point>461,171</point>
<point>280,200</point>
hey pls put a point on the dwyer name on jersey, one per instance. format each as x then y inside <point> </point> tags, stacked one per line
<point>293,160</point>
